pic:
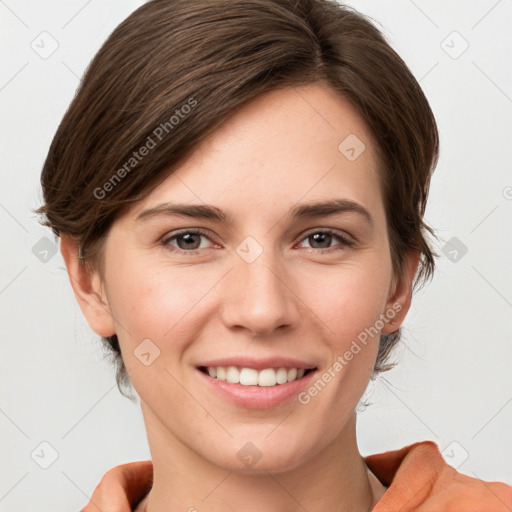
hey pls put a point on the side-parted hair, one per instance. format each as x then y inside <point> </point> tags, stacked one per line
<point>174,70</point>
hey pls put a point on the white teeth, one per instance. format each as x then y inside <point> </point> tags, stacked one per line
<point>292,374</point>
<point>282,376</point>
<point>267,377</point>
<point>251,377</point>
<point>233,375</point>
<point>248,377</point>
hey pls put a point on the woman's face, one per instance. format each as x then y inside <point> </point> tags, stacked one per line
<point>258,288</point>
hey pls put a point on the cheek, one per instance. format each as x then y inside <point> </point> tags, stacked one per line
<point>147,303</point>
<point>347,300</point>
<point>167,305</point>
<point>154,314</point>
<point>347,305</point>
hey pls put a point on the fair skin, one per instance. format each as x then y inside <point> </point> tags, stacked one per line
<point>199,300</point>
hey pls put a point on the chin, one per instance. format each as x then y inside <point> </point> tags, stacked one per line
<point>262,456</point>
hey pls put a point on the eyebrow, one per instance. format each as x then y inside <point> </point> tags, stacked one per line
<point>301,211</point>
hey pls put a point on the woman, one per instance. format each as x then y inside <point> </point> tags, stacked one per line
<point>239,189</point>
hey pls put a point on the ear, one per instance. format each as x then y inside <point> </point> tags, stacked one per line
<point>89,290</point>
<point>400,295</point>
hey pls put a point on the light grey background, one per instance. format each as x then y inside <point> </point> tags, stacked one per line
<point>454,381</point>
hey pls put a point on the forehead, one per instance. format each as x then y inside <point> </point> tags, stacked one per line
<point>296,144</point>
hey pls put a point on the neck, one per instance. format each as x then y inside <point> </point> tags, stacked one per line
<point>336,478</point>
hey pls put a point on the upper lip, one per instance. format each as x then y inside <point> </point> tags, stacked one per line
<point>259,363</point>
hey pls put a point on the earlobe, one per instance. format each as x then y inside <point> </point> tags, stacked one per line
<point>88,288</point>
<point>399,301</point>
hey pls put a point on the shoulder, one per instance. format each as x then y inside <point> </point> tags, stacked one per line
<point>418,476</point>
<point>459,492</point>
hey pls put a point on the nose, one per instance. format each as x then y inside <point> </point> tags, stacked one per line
<point>259,297</point>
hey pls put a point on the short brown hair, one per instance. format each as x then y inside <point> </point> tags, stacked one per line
<point>199,61</point>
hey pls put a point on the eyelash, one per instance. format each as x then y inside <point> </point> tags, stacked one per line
<point>345,241</point>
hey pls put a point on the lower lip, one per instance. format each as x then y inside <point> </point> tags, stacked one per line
<point>257,397</point>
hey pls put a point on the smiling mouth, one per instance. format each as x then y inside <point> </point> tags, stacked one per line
<point>250,377</point>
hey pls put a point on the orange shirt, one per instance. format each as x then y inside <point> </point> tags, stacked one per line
<point>420,480</point>
<point>416,476</point>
